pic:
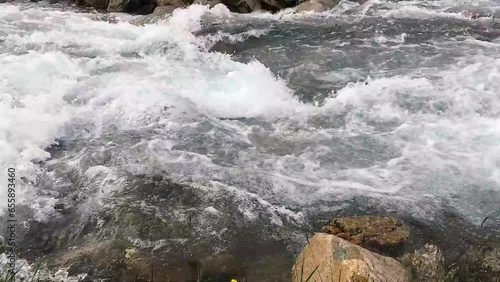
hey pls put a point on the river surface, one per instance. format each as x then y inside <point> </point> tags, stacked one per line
<point>398,102</point>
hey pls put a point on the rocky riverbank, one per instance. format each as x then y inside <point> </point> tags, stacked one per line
<point>147,153</point>
<point>144,7</point>
<point>353,249</point>
<point>356,248</point>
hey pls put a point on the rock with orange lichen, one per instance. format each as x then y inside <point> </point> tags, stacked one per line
<point>376,233</point>
<point>330,258</point>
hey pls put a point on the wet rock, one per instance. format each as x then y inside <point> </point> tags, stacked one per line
<point>144,7</point>
<point>172,3</point>
<point>101,5</point>
<point>118,259</point>
<point>427,264</point>
<point>320,5</point>
<point>159,14</point>
<point>483,261</point>
<point>311,6</point>
<point>220,267</point>
<point>61,207</point>
<point>491,261</point>
<point>210,3</point>
<point>162,227</point>
<point>329,258</point>
<point>248,6</point>
<point>380,234</point>
<point>163,10</point>
<point>139,7</point>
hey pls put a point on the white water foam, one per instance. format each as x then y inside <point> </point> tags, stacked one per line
<point>64,72</point>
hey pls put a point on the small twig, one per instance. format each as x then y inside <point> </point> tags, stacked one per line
<point>484,220</point>
<point>152,272</point>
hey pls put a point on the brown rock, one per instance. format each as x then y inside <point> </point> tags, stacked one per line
<point>329,258</point>
<point>343,235</point>
<point>428,264</point>
<point>376,233</point>
<point>331,229</point>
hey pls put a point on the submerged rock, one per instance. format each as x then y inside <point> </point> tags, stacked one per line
<point>156,228</point>
<point>330,258</point>
<point>376,233</point>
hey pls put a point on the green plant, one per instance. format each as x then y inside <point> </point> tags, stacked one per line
<point>10,276</point>
<point>302,272</point>
<point>199,274</point>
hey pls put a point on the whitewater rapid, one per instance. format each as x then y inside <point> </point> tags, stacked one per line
<point>109,98</point>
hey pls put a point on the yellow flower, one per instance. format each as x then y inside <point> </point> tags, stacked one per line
<point>234,280</point>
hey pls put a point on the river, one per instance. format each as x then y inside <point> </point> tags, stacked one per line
<point>288,115</point>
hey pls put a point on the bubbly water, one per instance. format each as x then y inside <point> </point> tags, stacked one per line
<point>398,101</point>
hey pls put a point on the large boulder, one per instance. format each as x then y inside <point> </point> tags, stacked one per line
<point>330,258</point>
<point>380,234</point>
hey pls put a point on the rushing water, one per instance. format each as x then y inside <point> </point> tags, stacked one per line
<point>395,101</point>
